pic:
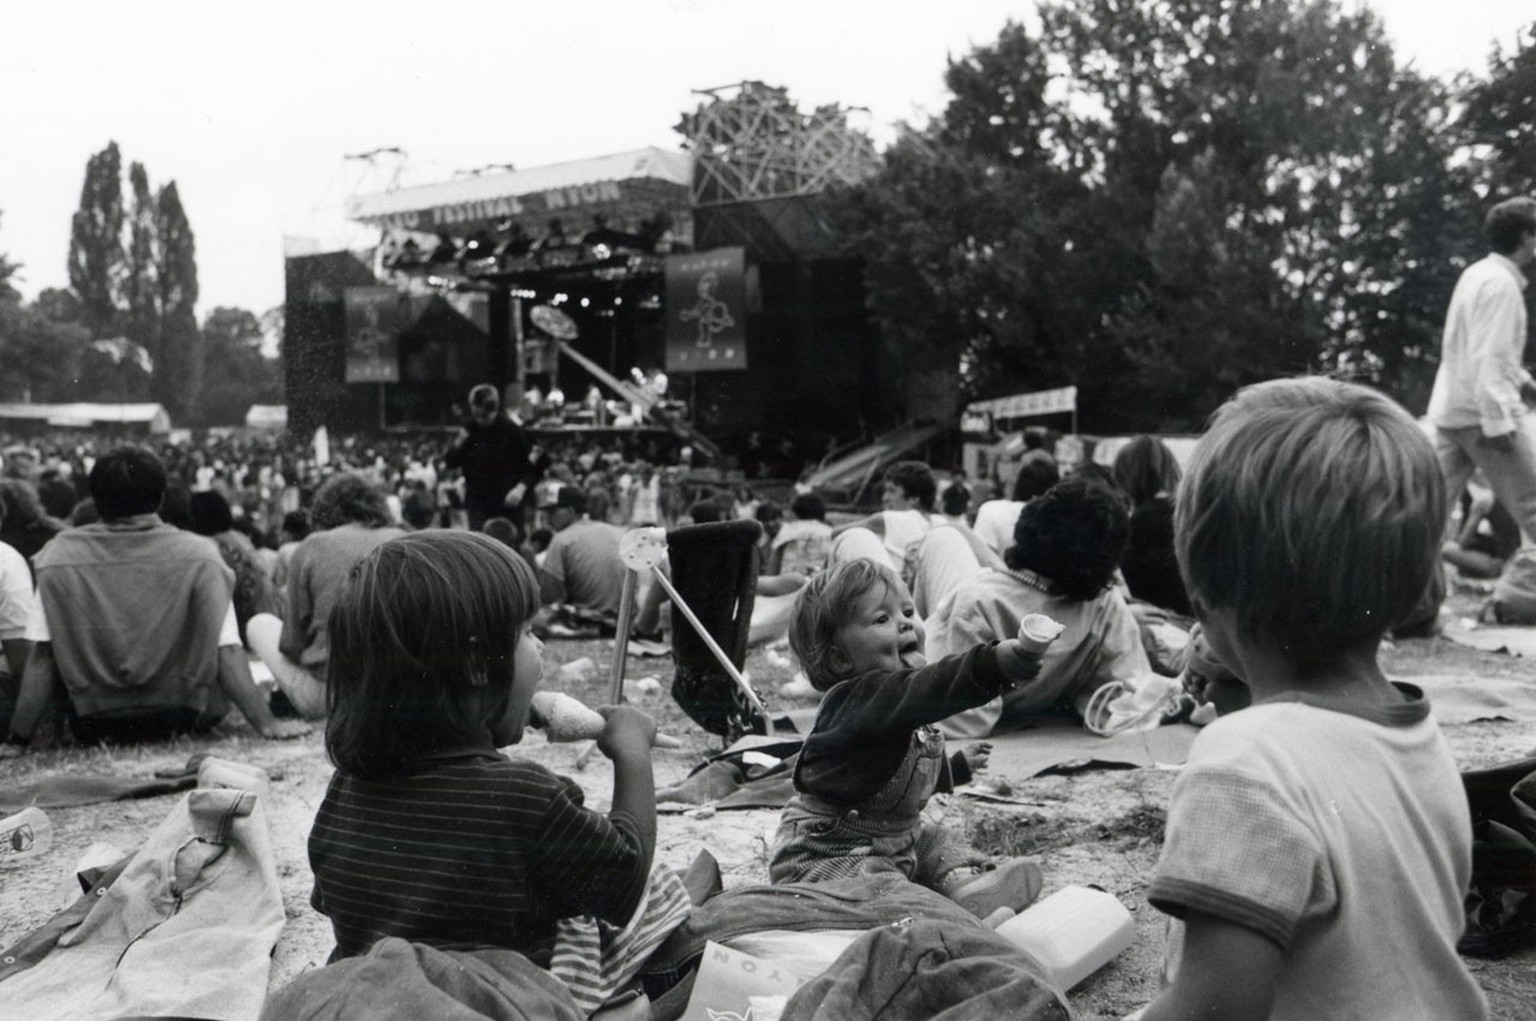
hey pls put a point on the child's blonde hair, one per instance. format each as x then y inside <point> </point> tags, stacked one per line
<point>423,641</point>
<point>1313,511</point>
<point>824,606</point>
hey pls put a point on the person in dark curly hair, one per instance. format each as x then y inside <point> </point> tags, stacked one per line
<point>1066,547</point>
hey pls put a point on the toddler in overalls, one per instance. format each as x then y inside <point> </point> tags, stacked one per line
<point>874,758</point>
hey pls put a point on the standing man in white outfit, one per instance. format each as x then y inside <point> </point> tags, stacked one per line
<point>1478,406</point>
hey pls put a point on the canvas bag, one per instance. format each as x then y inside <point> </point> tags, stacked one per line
<point>1501,904</point>
<point>729,980</point>
<point>929,970</point>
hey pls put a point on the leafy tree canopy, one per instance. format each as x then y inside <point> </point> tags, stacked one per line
<point>1160,200</point>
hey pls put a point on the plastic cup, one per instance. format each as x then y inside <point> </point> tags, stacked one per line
<point>25,835</point>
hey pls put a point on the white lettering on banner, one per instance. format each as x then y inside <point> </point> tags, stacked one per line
<point>501,207</point>
<point>462,212</point>
<point>703,263</point>
<point>1042,402</point>
<point>583,195</point>
<point>485,209</point>
<point>401,221</point>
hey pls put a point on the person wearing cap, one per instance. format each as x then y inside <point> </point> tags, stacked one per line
<point>582,565</point>
<point>493,452</point>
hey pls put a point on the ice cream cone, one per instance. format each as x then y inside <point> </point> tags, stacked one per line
<point>1037,632</point>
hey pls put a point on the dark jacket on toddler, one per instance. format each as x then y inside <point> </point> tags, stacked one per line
<point>870,764</point>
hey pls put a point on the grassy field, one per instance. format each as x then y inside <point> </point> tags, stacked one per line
<point>1100,827</point>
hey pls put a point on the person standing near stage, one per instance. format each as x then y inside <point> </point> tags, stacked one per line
<point>1478,406</point>
<point>493,453</point>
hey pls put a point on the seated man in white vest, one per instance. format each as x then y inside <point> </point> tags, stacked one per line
<point>137,627</point>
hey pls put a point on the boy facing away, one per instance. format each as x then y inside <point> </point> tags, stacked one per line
<point>1318,841</point>
<point>873,757</point>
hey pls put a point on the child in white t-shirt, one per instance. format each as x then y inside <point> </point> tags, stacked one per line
<point>1318,842</point>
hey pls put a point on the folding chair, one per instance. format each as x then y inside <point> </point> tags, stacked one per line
<point>714,570</point>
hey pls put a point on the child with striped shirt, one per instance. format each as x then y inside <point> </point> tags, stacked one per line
<point>427,832</point>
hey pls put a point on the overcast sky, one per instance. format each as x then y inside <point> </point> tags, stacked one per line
<point>252,112</point>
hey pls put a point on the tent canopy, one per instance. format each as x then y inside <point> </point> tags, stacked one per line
<point>619,185</point>
<point>152,417</point>
<point>267,416</point>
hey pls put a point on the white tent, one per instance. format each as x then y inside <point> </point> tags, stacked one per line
<point>267,416</point>
<point>150,417</point>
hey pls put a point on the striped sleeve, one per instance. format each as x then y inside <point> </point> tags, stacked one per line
<point>595,864</point>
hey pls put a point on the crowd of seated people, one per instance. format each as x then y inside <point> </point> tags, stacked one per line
<point>415,639</point>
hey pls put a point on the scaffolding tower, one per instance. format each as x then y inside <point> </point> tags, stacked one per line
<point>751,142</point>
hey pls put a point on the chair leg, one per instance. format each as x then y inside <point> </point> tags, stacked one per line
<point>621,639</point>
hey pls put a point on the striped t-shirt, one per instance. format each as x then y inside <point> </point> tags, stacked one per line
<point>476,850</point>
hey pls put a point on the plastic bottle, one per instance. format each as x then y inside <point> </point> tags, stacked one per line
<point>1072,933</point>
<point>24,835</point>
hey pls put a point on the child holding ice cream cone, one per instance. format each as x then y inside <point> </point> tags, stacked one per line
<point>427,831</point>
<point>873,757</point>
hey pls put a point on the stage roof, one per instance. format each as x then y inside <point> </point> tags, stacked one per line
<point>620,186</point>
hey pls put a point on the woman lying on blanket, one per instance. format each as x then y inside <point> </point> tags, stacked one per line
<point>427,832</point>
<point>1067,546</point>
<point>873,757</point>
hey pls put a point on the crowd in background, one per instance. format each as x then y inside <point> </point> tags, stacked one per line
<point>264,478</point>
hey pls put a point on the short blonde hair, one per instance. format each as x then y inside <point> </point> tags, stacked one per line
<point>1312,510</point>
<point>824,606</point>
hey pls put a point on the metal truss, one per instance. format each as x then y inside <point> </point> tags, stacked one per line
<point>751,142</point>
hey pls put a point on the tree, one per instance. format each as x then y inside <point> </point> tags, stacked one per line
<point>1500,120</point>
<point>96,259</point>
<point>60,305</point>
<point>141,297</point>
<point>40,357</point>
<point>178,379</point>
<point>135,275</point>
<point>1160,200</point>
<point>238,374</point>
<point>8,292</point>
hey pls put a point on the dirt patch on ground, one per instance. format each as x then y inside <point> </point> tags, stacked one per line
<point>1096,827</point>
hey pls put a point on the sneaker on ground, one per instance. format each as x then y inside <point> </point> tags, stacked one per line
<point>1014,883</point>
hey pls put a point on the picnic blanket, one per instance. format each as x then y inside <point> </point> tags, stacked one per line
<point>73,790</point>
<point>1062,745</point>
<point>1459,698</point>
<point>757,771</point>
<point>1516,641</point>
<point>402,981</point>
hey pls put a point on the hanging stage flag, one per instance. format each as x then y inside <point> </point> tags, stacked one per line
<point>375,317</point>
<point>706,311</point>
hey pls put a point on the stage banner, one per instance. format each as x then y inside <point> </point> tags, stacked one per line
<point>706,311</point>
<point>375,318</point>
<point>1041,402</point>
